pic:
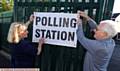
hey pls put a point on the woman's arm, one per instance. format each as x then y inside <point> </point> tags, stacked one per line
<point>41,42</point>
<point>30,20</point>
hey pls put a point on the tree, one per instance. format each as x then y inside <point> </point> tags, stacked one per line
<point>7,5</point>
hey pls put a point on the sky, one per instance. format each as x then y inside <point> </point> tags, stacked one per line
<point>116,7</point>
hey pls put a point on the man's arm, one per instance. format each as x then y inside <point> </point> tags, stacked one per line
<point>92,24</point>
<point>90,45</point>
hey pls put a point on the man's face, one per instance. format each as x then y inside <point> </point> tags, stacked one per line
<point>99,33</point>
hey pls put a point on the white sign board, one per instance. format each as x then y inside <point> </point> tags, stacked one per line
<point>56,28</point>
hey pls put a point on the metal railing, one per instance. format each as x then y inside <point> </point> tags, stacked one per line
<point>57,58</point>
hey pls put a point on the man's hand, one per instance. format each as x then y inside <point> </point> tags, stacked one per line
<point>79,21</point>
<point>82,14</point>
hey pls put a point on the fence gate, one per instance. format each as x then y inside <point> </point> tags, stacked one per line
<point>59,58</point>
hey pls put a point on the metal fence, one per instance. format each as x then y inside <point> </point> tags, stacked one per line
<point>61,58</point>
<point>5,21</point>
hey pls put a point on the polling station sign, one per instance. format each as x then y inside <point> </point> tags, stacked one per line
<point>56,28</point>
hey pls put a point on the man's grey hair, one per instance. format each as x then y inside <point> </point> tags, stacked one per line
<point>110,27</point>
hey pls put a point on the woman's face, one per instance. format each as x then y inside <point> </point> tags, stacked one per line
<point>23,32</point>
<point>99,34</point>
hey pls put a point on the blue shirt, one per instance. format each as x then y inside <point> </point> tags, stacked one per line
<point>23,54</point>
<point>98,52</point>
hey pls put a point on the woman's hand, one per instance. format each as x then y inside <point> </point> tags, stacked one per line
<point>31,18</point>
<point>41,42</point>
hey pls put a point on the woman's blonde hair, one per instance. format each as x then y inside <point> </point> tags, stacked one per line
<point>14,30</point>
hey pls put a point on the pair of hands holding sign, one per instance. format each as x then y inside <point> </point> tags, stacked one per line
<point>53,20</point>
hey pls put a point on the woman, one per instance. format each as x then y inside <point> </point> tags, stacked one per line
<point>22,51</point>
<point>99,51</point>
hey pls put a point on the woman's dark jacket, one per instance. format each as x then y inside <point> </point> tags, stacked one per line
<point>23,54</point>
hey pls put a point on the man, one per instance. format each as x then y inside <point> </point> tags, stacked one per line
<point>99,51</point>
